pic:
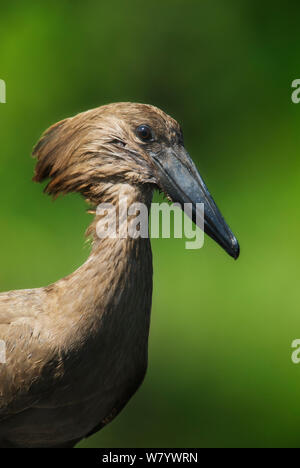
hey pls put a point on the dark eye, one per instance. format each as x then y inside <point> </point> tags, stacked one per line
<point>144,133</point>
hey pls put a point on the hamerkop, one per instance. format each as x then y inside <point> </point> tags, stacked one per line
<point>76,351</point>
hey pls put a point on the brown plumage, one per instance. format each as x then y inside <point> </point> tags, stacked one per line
<point>77,350</point>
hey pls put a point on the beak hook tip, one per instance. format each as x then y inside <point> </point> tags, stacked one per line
<point>235,250</point>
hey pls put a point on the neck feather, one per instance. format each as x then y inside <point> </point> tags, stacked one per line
<point>117,277</point>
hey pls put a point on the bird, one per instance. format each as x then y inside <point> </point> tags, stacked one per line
<point>77,350</point>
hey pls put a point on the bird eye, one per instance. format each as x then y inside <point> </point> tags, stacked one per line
<point>144,133</point>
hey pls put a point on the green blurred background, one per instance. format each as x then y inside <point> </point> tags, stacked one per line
<point>220,371</point>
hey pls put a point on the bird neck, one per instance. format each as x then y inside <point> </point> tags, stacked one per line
<point>119,210</point>
<point>116,280</point>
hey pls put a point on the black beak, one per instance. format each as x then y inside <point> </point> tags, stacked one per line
<point>178,177</point>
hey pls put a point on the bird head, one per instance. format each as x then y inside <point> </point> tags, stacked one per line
<point>137,144</point>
